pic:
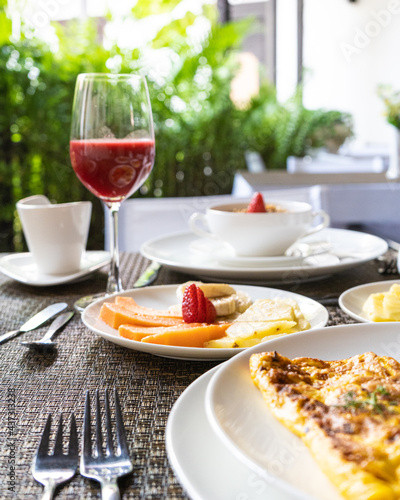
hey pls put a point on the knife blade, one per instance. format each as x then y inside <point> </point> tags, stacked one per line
<point>36,320</point>
<point>148,276</point>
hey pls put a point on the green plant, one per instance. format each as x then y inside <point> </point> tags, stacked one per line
<point>201,136</point>
<point>391,100</point>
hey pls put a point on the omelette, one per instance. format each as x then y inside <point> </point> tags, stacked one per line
<point>347,412</point>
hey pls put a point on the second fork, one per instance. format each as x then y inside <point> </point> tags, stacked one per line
<point>106,467</point>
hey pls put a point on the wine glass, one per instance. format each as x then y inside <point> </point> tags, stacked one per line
<point>112,148</point>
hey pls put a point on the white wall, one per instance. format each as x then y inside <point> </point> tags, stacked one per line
<point>286,48</point>
<point>349,49</point>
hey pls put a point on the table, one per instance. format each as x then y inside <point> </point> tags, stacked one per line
<point>36,384</point>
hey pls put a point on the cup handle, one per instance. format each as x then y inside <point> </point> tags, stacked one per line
<point>196,229</point>
<point>325,222</point>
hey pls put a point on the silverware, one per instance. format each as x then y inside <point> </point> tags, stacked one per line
<point>46,342</point>
<point>387,265</point>
<point>106,467</point>
<point>148,276</point>
<point>58,468</point>
<point>36,321</point>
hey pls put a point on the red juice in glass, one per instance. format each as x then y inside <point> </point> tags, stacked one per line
<point>112,169</point>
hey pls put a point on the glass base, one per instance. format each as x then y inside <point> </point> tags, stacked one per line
<point>81,304</point>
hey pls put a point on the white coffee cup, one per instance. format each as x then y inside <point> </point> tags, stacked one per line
<point>263,234</point>
<point>56,234</point>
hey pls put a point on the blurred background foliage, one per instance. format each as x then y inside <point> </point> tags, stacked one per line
<point>201,135</point>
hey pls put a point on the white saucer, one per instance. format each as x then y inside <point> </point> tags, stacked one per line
<point>21,267</point>
<point>195,453</point>
<point>348,249</point>
<point>224,255</point>
<point>352,300</point>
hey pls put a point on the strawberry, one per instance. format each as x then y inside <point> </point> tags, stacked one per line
<point>196,308</point>
<point>256,204</point>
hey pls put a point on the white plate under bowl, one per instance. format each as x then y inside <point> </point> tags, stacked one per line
<point>240,417</point>
<point>224,255</point>
<point>162,297</point>
<point>196,453</point>
<point>21,267</point>
<point>348,249</point>
<point>352,300</point>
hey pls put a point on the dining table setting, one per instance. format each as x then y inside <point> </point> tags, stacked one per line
<point>172,445</point>
<point>135,374</point>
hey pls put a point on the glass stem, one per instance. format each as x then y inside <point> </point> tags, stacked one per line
<point>114,281</point>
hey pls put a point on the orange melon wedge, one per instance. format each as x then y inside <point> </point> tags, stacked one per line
<point>193,335</point>
<point>133,306</point>
<point>115,315</point>
<point>134,332</point>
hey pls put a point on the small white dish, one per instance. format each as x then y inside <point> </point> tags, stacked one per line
<point>352,300</point>
<point>194,454</point>
<point>238,414</point>
<point>21,267</point>
<point>162,297</point>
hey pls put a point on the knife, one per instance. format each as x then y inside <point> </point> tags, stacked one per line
<point>148,276</point>
<point>36,321</point>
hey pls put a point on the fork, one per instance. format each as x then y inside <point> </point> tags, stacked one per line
<point>58,468</point>
<point>387,265</point>
<point>106,467</point>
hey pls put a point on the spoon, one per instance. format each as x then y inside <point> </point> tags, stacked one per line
<point>46,341</point>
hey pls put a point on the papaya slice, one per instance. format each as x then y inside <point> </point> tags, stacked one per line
<point>115,315</point>
<point>134,332</point>
<point>191,336</point>
<point>133,306</point>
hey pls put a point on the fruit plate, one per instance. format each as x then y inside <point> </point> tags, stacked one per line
<point>162,297</point>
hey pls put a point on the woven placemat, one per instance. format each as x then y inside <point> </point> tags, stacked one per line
<point>36,384</point>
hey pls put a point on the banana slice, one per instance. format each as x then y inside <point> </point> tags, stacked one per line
<point>210,290</point>
<point>243,301</point>
<point>224,306</point>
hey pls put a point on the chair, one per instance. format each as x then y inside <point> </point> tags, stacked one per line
<point>326,163</point>
<point>370,208</point>
<point>142,219</point>
<point>254,162</point>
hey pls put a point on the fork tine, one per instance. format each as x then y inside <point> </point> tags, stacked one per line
<point>121,435</point>
<point>43,447</point>
<point>108,424</point>
<point>87,430</point>
<point>53,470</point>
<point>99,439</point>
<point>58,446</point>
<point>109,464</point>
<point>73,439</point>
